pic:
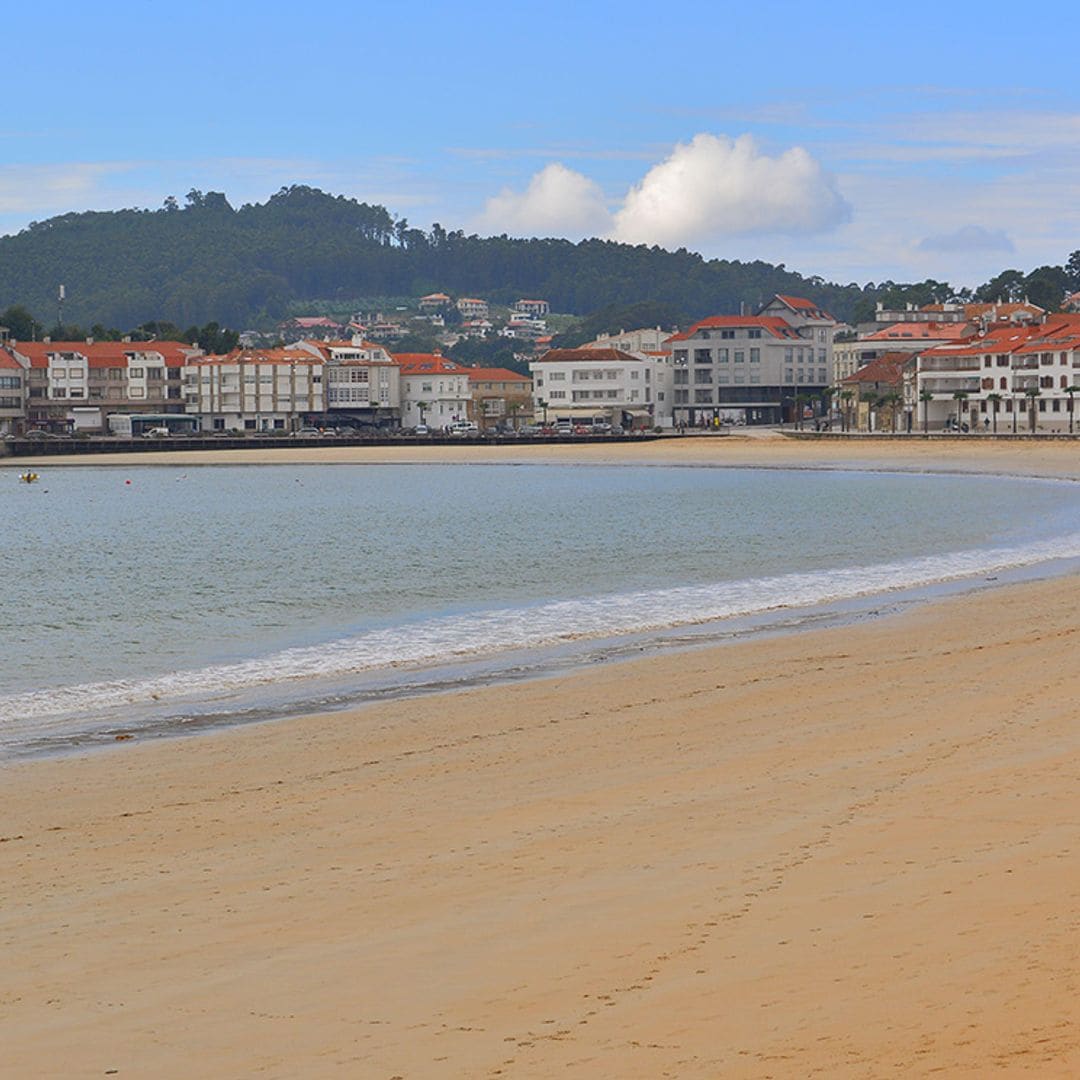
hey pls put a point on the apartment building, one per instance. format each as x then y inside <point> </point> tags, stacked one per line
<point>901,336</point>
<point>1020,375</point>
<point>362,382</point>
<point>499,396</point>
<point>256,390</point>
<point>753,369</point>
<point>13,378</point>
<point>583,385</point>
<point>647,340</point>
<point>471,307</point>
<point>75,385</point>
<point>536,308</point>
<point>434,390</point>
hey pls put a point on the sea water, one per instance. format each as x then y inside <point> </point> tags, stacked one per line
<point>163,597</point>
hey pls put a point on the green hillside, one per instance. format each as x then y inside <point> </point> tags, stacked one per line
<point>250,266</point>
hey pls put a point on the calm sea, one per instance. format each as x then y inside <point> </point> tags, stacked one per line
<point>161,597</point>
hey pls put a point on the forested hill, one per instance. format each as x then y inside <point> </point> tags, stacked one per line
<point>243,267</point>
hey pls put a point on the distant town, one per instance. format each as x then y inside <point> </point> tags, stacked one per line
<point>966,367</point>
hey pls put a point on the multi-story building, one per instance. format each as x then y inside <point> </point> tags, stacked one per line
<point>651,339</point>
<point>753,369</point>
<point>1022,375</point>
<point>75,385</point>
<point>362,383</point>
<point>499,396</point>
<point>471,307</point>
<point>585,385</point>
<point>434,390</point>
<point>434,301</point>
<point>256,390</point>
<point>13,378</point>
<point>880,396</point>
<point>536,308</point>
<point>901,336</point>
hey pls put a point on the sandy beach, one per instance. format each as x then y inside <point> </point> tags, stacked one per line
<point>849,852</point>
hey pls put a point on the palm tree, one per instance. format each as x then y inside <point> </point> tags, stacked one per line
<point>799,400</point>
<point>513,409</point>
<point>1071,391</point>
<point>422,407</point>
<point>959,396</point>
<point>845,411</point>
<point>925,396</point>
<point>826,402</point>
<point>1031,393</point>
<point>1016,410</point>
<point>995,402</point>
<point>892,399</point>
<point>543,405</point>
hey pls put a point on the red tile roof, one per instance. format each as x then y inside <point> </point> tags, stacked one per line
<point>258,356</point>
<point>495,374</point>
<point>918,330</point>
<point>104,354</point>
<point>8,361</point>
<point>887,369</point>
<point>594,355</point>
<point>426,364</point>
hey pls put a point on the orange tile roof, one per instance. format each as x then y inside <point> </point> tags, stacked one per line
<point>8,361</point>
<point>495,374</point>
<point>101,354</point>
<point>930,330</point>
<point>258,356</point>
<point>426,364</point>
<point>887,368</point>
<point>807,307</point>
<point>608,355</point>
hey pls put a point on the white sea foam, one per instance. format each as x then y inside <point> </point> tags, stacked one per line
<point>503,630</point>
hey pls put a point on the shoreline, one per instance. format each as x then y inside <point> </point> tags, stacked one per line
<point>848,851</point>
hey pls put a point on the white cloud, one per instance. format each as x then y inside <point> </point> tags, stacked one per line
<point>52,188</point>
<point>968,238</point>
<point>716,186</point>
<point>557,202</point>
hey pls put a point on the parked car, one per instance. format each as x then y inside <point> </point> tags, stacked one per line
<point>39,434</point>
<point>156,433</point>
<point>309,433</point>
<point>463,429</point>
<point>421,429</point>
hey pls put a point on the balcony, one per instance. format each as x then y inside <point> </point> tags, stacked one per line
<point>1025,382</point>
<point>1025,363</point>
<point>951,386</point>
<point>949,363</point>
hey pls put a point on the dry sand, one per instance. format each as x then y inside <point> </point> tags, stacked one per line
<point>850,852</point>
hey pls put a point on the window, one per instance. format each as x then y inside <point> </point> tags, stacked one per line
<point>703,397</point>
<point>77,391</point>
<point>76,373</point>
<point>755,333</point>
<point>681,378</point>
<point>723,378</point>
<point>702,356</point>
<point>557,394</point>
<point>60,391</point>
<point>722,356</point>
<point>822,376</point>
<point>740,356</point>
<point>135,373</point>
<point>727,335</point>
<point>557,376</point>
<point>789,375</point>
<point>703,376</point>
<point>155,374</point>
<point>755,356</point>
<point>788,358</point>
<point>136,391</point>
<point>635,374</point>
<point>681,356</point>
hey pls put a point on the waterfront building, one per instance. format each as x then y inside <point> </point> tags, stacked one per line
<point>1020,375</point>
<point>362,382</point>
<point>256,390</point>
<point>13,378</point>
<point>434,390</point>
<point>75,385</point>
<point>753,369</point>
<point>880,396</point>
<point>585,385</point>
<point>499,397</point>
<point>906,336</point>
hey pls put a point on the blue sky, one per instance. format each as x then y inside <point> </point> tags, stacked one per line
<point>859,145</point>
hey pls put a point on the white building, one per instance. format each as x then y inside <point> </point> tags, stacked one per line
<point>472,307</point>
<point>1010,377</point>
<point>581,385</point>
<point>533,307</point>
<point>651,339</point>
<point>256,390</point>
<point>362,383</point>
<point>434,390</point>
<point>754,369</point>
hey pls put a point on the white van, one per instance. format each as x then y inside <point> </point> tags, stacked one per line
<point>463,429</point>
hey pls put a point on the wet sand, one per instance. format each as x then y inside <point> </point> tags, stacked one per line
<point>849,852</point>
